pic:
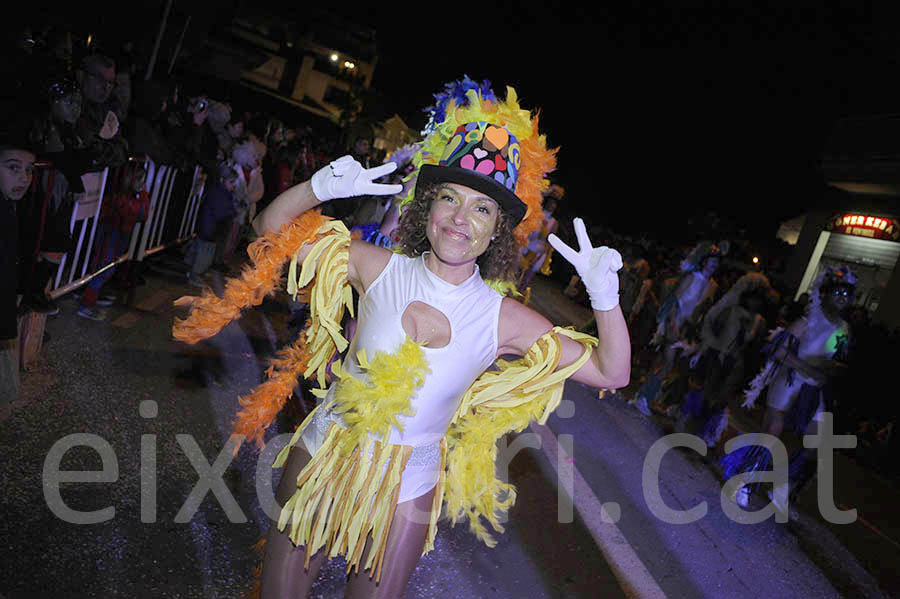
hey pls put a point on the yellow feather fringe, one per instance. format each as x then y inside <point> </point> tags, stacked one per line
<point>325,266</point>
<point>497,403</point>
<point>371,406</point>
<point>340,499</point>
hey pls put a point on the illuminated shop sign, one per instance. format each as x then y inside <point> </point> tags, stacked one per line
<point>862,225</point>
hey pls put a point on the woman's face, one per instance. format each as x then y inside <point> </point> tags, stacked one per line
<point>461,223</point>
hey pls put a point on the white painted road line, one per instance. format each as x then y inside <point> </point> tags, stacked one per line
<point>633,576</point>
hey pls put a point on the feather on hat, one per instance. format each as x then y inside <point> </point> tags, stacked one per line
<point>493,146</point>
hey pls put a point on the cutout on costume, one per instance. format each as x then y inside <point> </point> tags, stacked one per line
<point>426,325</point>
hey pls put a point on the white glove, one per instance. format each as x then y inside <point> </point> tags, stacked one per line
<point>346,178</point>
<point>596,266</point>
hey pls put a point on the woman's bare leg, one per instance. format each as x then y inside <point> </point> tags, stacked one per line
<point>405,542</point>
<point>804,465</point>
<point>283,574</point>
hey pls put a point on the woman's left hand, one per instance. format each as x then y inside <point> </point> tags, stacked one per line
<point>597,267</point>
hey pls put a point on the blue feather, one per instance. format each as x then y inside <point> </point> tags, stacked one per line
<point>750,459</point>
<point>456,90</point>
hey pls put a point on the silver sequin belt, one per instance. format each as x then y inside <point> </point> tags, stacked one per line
<point>423,457</point>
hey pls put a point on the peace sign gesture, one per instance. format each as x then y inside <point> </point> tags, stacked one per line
<point>596,266</point>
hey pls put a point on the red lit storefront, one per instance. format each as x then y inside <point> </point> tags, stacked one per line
<point>867,241</point>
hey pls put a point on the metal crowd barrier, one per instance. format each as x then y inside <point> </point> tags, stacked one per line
<point>153,231</point>
<point>85,214</point>
<point>147,238</point>
<point>37,209</point>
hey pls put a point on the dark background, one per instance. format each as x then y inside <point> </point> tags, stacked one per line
<point>662,114</point>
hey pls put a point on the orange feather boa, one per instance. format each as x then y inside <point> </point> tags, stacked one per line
<point>209,314</point>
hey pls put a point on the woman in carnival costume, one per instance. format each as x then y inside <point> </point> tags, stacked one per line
<point>693,287</point>
<point>410,421</point>
<point>801,362</point>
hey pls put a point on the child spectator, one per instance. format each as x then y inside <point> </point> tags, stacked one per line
<point>214,222</point>
<point>118,216</point>
<point>16,171</point>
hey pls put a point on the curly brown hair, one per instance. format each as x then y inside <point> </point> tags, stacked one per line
<point>500,261</point>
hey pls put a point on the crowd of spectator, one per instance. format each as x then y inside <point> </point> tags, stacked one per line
<point>71,109</point>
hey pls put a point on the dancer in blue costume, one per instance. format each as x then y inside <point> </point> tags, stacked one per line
<point>802,362</point>
<point>729,327</point>
<point>677,313</point>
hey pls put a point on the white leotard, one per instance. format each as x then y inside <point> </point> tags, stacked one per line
<point>818,342</point>
<point>473,310</point>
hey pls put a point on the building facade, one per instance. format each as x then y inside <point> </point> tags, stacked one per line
<point>317,64</point>
<point>857,221</point>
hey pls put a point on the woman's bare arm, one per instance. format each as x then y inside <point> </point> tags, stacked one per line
<point>610,364</point>
<point>345,179</point>
<point>289,204</point>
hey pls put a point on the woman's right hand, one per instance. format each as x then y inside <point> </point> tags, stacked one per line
<point>346,178</point>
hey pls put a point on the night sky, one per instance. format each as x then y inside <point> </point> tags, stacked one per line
<point>675,110</point>
<point>659,113</point>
